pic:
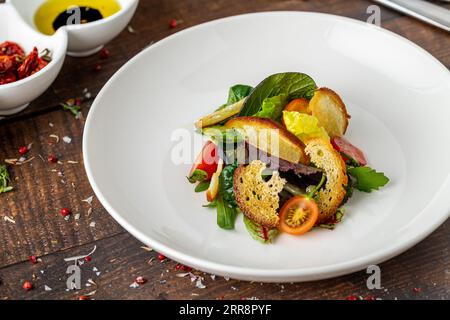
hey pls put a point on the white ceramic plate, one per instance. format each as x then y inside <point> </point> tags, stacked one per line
<point>398,96</point>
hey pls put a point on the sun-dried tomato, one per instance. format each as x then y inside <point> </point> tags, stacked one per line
<point>7,78</point>
<point>7,63</point>
<point>9,48</point>
<point>30,64</point>
<point>41,64</point>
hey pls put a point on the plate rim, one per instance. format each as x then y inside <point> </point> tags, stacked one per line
<point>261,274</point>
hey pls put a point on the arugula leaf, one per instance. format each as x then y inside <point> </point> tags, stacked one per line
<point>197,176</point>
<point>292,84</point>
<point>202,186</point>
<point>4,180</point>
<point>260,233</point>
<point>238,92</point>
<point>272,107</point>
<point>226,184</point>
<point>367,179</point>
<point>226,215</point>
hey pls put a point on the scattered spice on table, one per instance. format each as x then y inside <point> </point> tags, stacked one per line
<point>97,67</point>
<point>54,136</point>
<point>8,219</point>
<point>141,280</point>
<point>33,259</point>
<point>104,53</point>
<point>4,180</point>
<point>72,106</point>
<point>131,30</point>
<point>161,257</point>
<point>52,159</point>
<point>23,150</point>
<point>173,23</point>
<point>27,285</point>
<point>65,212</point>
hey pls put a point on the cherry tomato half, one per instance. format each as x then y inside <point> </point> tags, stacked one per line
<point>299,105</point>
<point>348,150</point>
<point>298,215</point>
<point>207,160</point>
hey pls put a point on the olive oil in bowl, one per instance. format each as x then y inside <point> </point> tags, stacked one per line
<point>53,14</point>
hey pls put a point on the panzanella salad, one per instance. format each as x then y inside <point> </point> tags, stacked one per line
<point>277,154</point>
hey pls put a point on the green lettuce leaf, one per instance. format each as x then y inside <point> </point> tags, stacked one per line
<point>303,125</point>
<point>272,107</point>
<point>292,84</point>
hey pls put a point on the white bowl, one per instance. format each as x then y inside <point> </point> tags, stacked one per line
<point>396,92</point>
<point>15,96</point>
<point>85,39</point>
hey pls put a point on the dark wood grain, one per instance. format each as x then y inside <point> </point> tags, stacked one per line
<point>421,273</point>
<point>42,188</point>
<point>40,192</point>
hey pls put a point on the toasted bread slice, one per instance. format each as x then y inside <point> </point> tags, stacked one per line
<point>330,110</point>
<point>330,161</point>
<point>258,199</point>
<point>270,137</point>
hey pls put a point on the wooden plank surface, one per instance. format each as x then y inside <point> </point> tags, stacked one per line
<point>422,272</point>
<point>42,188</point>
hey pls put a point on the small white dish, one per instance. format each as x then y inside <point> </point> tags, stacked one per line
<point>14,97</point>
<point>85,39</point>
<point>397,95</point>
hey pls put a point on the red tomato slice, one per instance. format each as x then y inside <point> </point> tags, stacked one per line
<point>348,150</point>
<point>207,160</point>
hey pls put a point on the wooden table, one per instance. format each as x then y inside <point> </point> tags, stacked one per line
<point>35,227</point>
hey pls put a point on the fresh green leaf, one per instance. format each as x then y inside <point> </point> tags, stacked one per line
<point>292,84</point>
<point>197,176</point>
<point>272,107</point>
<point>367,179</point>
<point>74,109</point>
<point>4,180</point>
<point>226,185</point>
<point>260,233</point>
<point>202,186</point>
<point>226,215</point>
<point>238,92</point>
